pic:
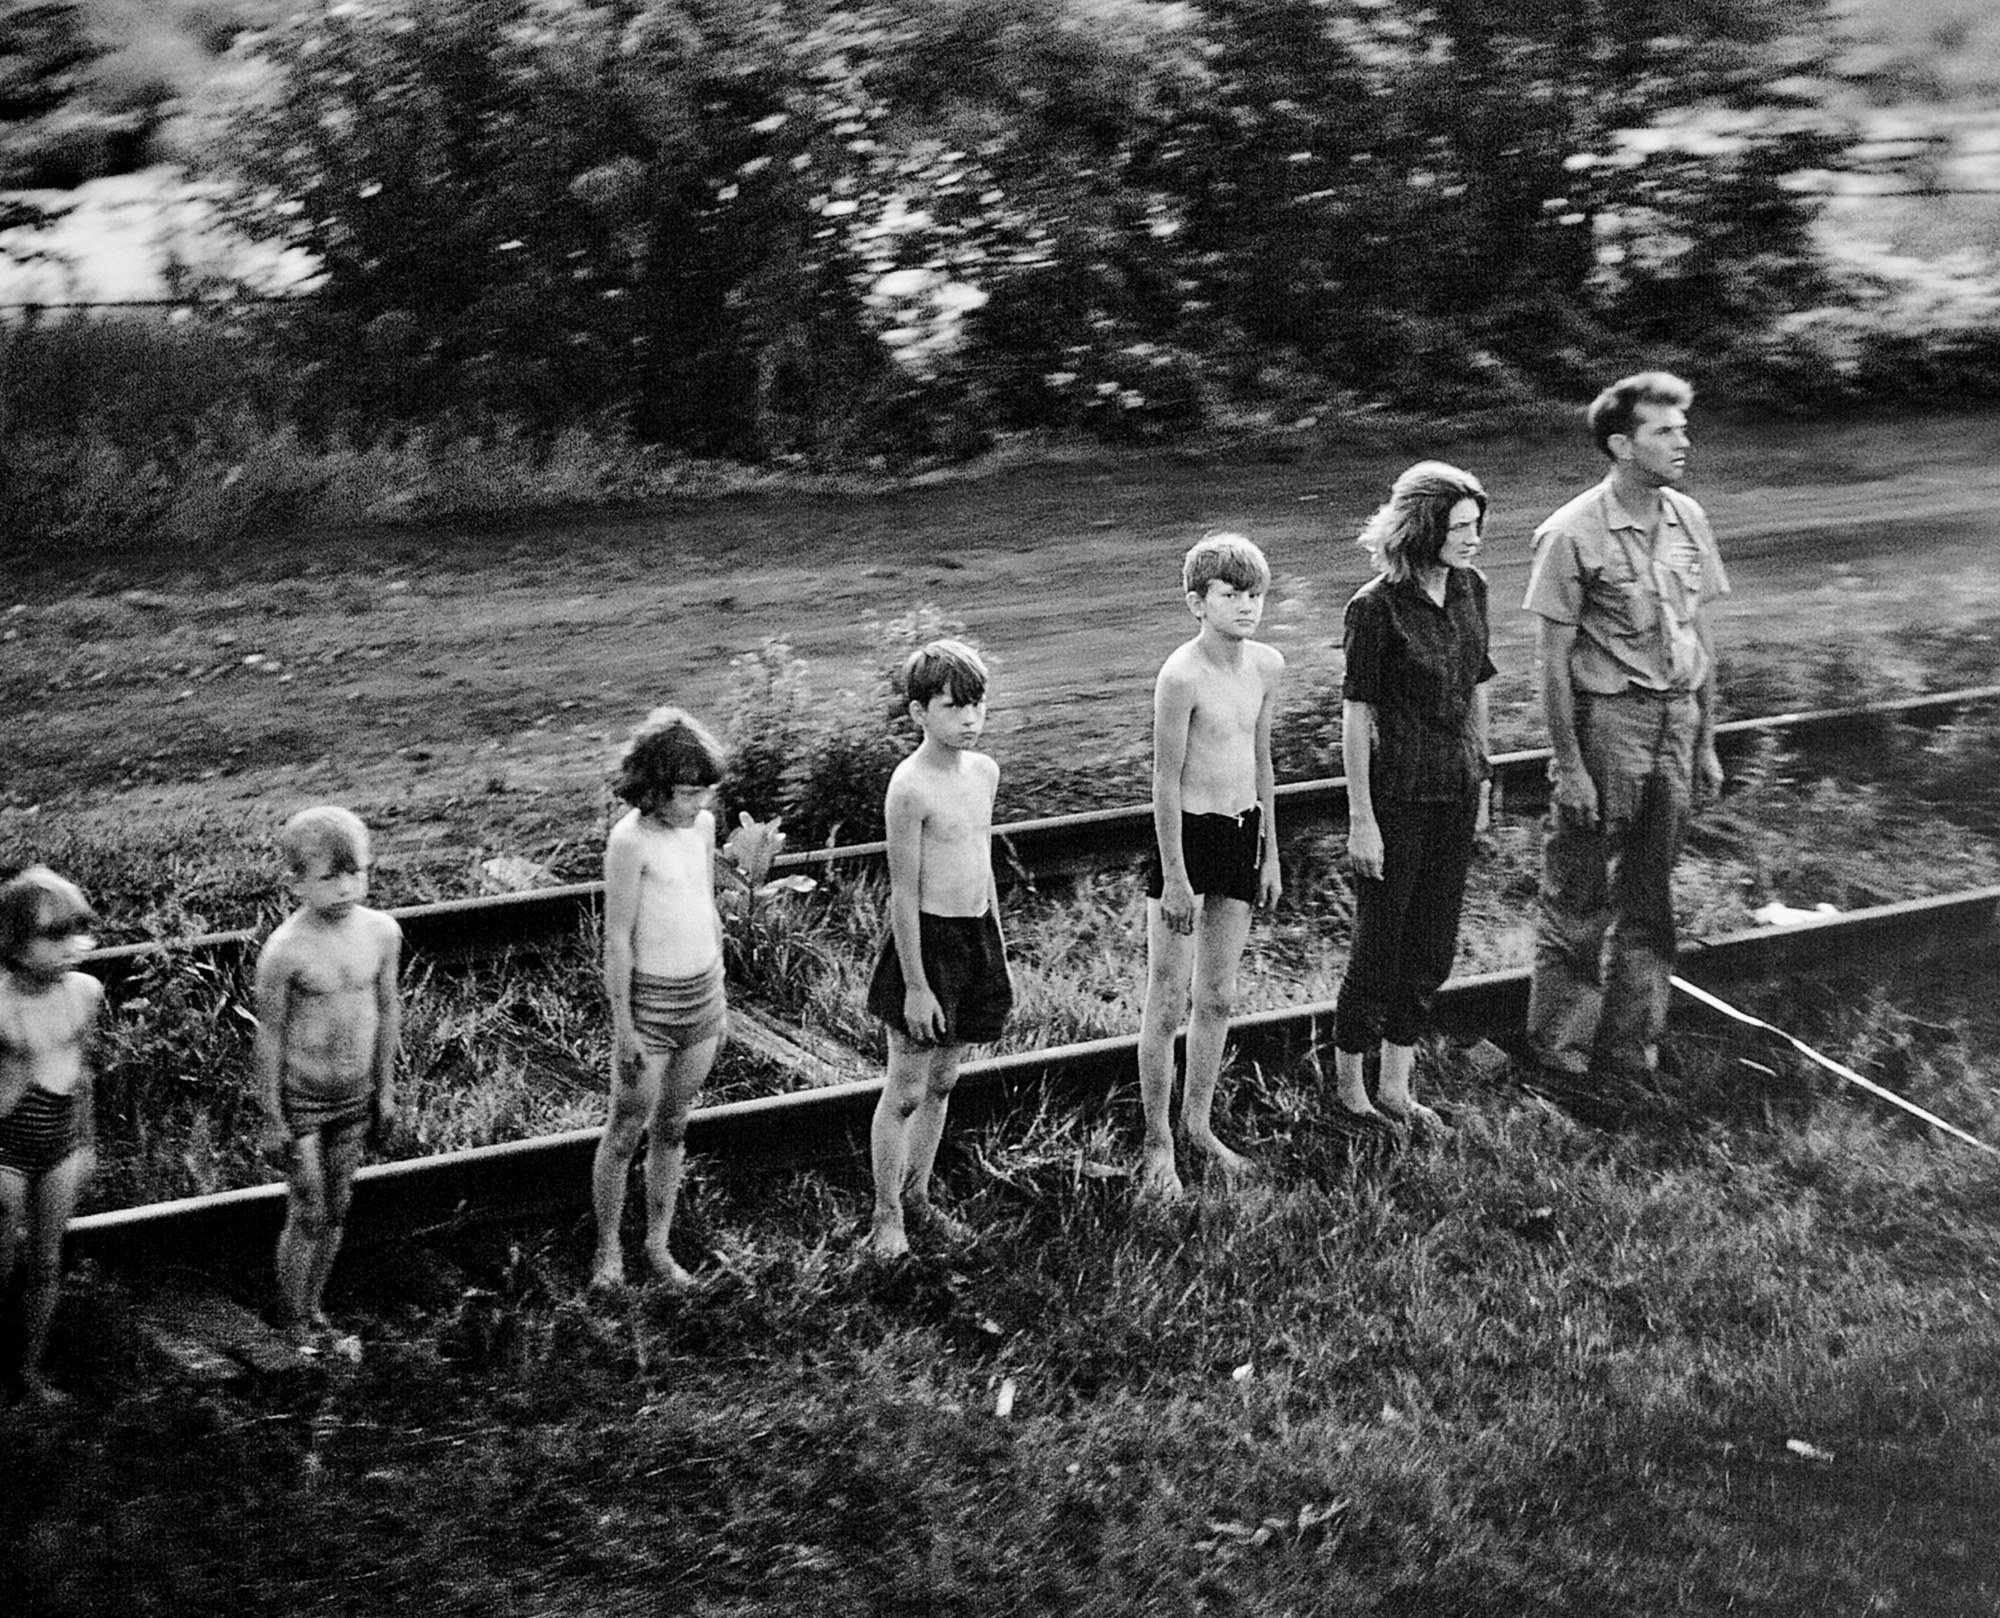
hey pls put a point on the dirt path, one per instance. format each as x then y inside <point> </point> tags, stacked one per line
<point>471,686</point>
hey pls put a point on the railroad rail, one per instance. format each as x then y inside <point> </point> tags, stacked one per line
<point>551,1174</point>
<point>1050,846</point>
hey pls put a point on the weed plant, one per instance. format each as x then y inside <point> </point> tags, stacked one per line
<point>1738,1356</point>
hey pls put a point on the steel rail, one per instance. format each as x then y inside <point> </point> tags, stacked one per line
<point>1025,850</point>
<point>405,1200</point>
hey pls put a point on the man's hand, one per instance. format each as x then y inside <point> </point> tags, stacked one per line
<point>1364,848</point>
<point>1177,904</point>
<point>1574,794</point>
<point>1707,775</point>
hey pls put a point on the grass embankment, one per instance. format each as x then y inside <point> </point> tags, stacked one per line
<point>1741,1358</point>
<point>518,1047</point>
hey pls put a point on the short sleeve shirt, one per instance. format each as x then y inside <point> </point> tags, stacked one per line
<point>1634,598</point>
<point>1417,665</point>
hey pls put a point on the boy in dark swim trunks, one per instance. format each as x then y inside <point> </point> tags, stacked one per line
<point>47,1011</point>
<point>663,975</point>
<point>328,1026</point>
<point>1214,806</point>
<point>942,981</point>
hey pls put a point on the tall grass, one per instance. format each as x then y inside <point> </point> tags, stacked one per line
<point>1715,1364</point>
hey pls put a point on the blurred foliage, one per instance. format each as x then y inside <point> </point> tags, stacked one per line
<point>795,228</point>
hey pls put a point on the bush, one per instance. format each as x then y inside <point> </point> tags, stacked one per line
<point>822,759</point>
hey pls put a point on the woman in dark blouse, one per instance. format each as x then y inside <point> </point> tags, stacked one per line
<point>1413,721</point>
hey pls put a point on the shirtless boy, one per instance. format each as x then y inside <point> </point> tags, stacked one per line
<point>328,1026</point>
<point>942,981</point>
<point>1214,813</point>
<point>47,1010</point>
<point>662,974</point>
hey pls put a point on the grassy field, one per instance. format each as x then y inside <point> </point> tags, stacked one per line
<point>1737,1358</point>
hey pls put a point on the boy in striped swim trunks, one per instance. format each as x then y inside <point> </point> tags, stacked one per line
<point>329,1022</point>
<point>47,1012</point>
<point>662,975</point>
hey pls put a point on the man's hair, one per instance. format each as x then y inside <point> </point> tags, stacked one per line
<point>1407,534</point>
<point>944,666</point>
<point>34,900</point>
<point>668,749</point>
<point>325,829</point>
<point>1228,557</point>
<point>1616,409</point>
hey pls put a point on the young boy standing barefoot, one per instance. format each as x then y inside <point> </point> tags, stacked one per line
<point>328,1025</point>
<point>662,974</point>
<point>942,981</point>
<point>1214,800</point>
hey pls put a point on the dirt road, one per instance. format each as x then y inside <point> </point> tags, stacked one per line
<point>472,685</point>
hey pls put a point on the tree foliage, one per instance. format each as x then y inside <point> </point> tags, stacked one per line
<point>767,226</point>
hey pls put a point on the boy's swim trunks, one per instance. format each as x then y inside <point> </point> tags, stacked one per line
<point>307,1112</point>
<point>39,1133</point>
<point>966,966</point>
<point>675,1014</point>
<point>1222,854</point>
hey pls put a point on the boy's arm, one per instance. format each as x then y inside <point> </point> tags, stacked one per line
<point>1357,757</point>
<point>1173,712</point>
<point>624,863</point>
<point>1270,879</point>
<point>274,993</point>
<point>388,1025</point>
<point>903,812</point>
<point>993,876</point>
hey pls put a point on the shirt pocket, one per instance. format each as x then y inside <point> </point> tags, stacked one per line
<point>1627,608</point>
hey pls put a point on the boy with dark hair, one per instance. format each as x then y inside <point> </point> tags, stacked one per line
<point>328,1026</point>
<point>942,981</point>
<point>1214,814</point>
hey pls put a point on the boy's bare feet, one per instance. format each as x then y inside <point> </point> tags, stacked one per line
<point>664,1267</point>
<point>1158,1177</point>
<point>928,1219</point>
<point>608,1272</point>
<point>888,1240</point>
<point>38,1390</point>
<point>1233,1164</point>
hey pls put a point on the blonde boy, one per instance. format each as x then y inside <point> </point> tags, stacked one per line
<point>1214,814</point>
<point>942,981</point>
<point>328,1026</point>
<point>663,975</point>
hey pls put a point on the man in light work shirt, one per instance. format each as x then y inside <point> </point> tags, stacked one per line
<point>1626,671</point>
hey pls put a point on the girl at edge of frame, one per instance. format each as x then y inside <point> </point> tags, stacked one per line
<point>48,1011</point>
